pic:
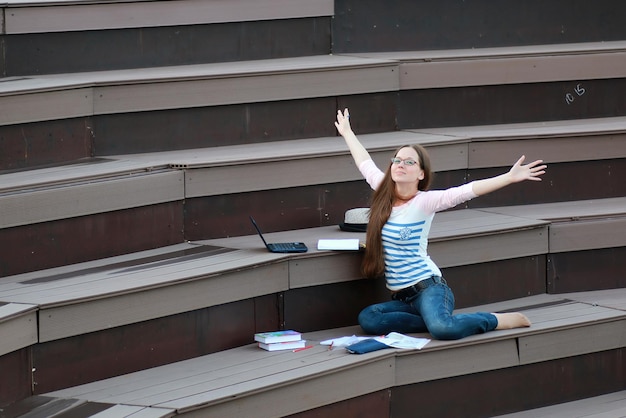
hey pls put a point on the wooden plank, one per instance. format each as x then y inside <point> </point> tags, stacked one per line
<point>572,342</point>
<point>90,170</point>
<point>92,197</point>
<point>222,180</point>
<point>214,170</point>
<point>471,222</point>
<point>587,235</point>
<point>131,411</point>
<point>511,51</point>
<point>303,396</point>
<point>238,381</point>
<point>256,372</point>
<point>18,327</point>
<point>612,298</point>
<point>487,248</point>
<point>304,272</point>
<point>497,71</point>
<point>300,395</point>
<point>551,150</point>
<point>567,211</point>
<point>207,369</point>
<point>133,258</point>
<point>37,98</point>
<point>451,149</point>
<point>33,107</point>
<point>59,16</point>
<point>604,406</point>
<point>118,280</point>
<point>75,319</point>
<point>587,127</point>
<point>234,90</point>
<point>425,365</point>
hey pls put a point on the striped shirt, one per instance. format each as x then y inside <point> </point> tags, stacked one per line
<point>405,235</point>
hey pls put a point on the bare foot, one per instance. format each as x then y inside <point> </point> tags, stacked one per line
<point>511,320</point>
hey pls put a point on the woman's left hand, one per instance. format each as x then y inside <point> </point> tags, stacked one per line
<point>530,171</point>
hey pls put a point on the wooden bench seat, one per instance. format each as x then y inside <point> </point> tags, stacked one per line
<point>580,225</point>
<point>44,16</point>
<point>77,303</point>
<point>603,406</point>
<point>190,276</point>
<point>100,185</point>
<point>506,65</point>
<point>76,190</point>
<point>18,326</point>
<point>46,97</point>
<point>248,381</point>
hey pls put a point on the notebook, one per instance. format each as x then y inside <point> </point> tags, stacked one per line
<point>281,247</point>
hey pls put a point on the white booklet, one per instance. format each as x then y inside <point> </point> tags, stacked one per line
<point>338,244</point>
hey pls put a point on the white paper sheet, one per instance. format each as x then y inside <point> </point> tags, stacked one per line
<point>338,244</point>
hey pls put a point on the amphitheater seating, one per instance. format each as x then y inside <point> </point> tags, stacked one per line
<point>137,136</point>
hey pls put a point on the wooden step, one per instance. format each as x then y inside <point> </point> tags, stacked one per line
<point>111,35</point>
<point>206,193</point>
<point>157,296</point>
<point>247,380</point>
<point>141,110</point>
<point>371,26</point>
<point>609,405</point>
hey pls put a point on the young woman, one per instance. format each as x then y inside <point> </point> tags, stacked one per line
<point>401,214</point>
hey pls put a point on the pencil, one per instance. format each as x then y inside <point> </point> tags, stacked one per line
<point>302,348</point>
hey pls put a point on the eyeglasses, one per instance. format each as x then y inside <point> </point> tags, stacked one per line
<point>408,162</point>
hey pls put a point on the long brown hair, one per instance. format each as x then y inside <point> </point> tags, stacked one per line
<point>380,209</point>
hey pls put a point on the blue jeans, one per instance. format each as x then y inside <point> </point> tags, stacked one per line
<point>430,310</point>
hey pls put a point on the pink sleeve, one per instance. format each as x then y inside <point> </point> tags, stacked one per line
<point>437,200</point>
<point>371,173</point>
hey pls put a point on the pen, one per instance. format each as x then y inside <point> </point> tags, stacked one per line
<point>302,348</point>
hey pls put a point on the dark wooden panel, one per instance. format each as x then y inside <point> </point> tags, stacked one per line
<point>479,284</point>
<point>68,241</point>
<point>213,126</point>
<point>331,306</point>
<point>336,305</point>
<point>15,376</point>
<point>284,209</point>
<point>513,389</point>
<point>274,210</point>
<point>52,142</point>
<point>238,124</point>
<point>373,405</point>
<point>580,180</point>
<point>99,355</point>
<point>268,312</point>
<point>66,52</point>
<point>510,103</point>
<point>376,112</point>
<point>587,270</point>
<point>370,25</point>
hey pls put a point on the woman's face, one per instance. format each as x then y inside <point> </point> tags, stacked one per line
<point>401,172</point>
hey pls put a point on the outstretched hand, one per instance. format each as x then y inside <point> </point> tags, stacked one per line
<point>343,122</point>
<point>530,171</point>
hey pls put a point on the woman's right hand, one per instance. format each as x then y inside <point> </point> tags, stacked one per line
<point>343,122</point>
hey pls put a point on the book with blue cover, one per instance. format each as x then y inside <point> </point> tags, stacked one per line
<point>272,337</point>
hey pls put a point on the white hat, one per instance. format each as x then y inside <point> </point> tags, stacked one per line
<point>355,220</point>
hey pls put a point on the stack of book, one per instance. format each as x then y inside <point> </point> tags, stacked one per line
<point>280,340</point>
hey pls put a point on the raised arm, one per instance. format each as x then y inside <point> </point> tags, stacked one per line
<point>359,153</point>
<point>517,173</point>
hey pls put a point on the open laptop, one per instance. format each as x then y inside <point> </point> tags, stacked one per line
<point>281,247</point>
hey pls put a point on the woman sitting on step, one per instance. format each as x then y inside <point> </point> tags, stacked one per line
<point>400,217</point>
